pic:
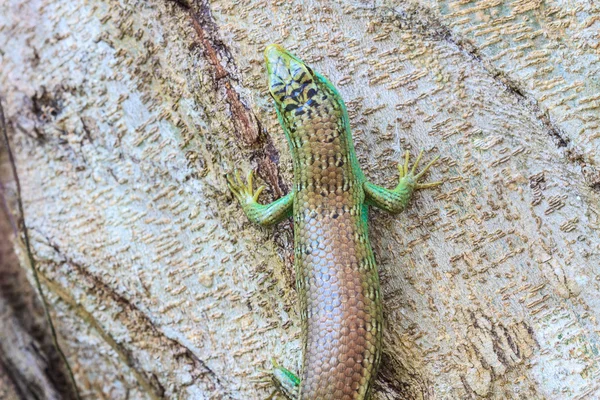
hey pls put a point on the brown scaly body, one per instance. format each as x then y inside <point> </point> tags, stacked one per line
<point>337,281</point>
<point>336,275</point>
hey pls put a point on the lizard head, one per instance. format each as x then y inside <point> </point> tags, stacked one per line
<point>292,83</point>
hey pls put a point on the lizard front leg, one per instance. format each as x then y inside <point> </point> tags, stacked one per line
<point>262,214</point>
<point>397,199</point>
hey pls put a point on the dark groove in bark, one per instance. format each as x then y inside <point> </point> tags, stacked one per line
<point>69,388</point>
<point>20,384</point>
<point>247,125</point>
<point>422,21</point>
<point>99,288</point>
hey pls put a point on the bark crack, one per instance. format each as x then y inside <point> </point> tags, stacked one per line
<point>73,390</point>
<point>20,384</point>
<point>422,20</point>
<point>143,325</point>
<point>247,125</point>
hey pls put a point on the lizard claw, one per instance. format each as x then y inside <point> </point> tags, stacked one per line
<point>244,192</point>
<point>413,175</point>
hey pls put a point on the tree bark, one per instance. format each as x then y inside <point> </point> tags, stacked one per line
<point>125,116</point>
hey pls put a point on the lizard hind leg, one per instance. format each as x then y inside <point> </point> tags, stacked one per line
<point>286,381</point>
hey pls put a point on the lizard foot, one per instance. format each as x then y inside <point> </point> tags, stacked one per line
<point>412,175</point>
<point>243,192</point>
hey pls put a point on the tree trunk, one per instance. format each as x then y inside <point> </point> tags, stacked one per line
<point>124,117</point>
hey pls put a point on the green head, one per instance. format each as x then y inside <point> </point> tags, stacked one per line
<point>303,97</point>
<point>310,110</point>
<point>292,83</point>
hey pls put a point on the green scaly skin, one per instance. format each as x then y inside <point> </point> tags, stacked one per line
<point>336,276</point>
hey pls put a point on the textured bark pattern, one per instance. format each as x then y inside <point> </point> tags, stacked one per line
<point>126,115</point>
<point>30,367</point>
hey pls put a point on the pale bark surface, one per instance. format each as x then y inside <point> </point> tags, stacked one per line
<point>125,115</point>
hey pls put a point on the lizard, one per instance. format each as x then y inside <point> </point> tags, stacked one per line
<point>336,277</point>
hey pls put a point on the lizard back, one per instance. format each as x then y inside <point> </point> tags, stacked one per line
<point>336,275</point>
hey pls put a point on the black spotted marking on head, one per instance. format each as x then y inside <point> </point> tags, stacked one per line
<point>312,103</point>
<point>290,80</point>
<point>296,93</point>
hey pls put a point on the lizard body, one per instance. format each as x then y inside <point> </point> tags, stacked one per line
<point>336,275</point>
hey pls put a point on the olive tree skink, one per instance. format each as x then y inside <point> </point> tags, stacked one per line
<point>336,275</point>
